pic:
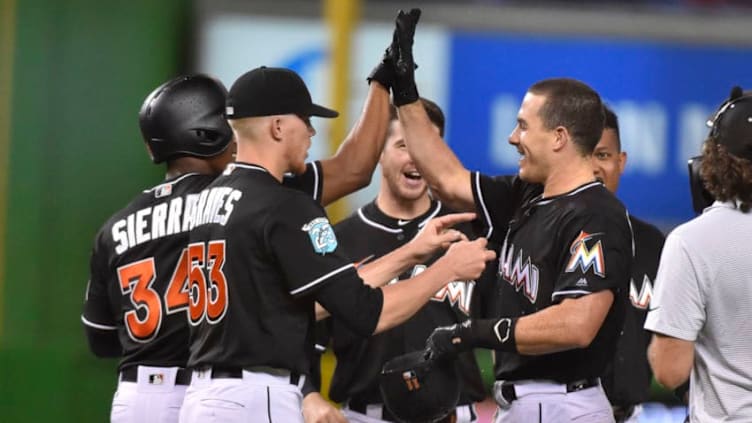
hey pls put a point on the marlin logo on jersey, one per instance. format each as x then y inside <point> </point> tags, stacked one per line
<point>321,234</point>
<point>585,258</point>
<point>520,273</point>
<point>456,293</point>
<point>641,299</point>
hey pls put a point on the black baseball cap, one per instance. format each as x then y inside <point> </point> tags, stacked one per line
<point>272,91</point>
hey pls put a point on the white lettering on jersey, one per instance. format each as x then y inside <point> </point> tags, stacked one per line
<point>519,273</point>
<point>173,217</point>
<point>191,206</point>
<point>584,257</point>
<point>230,205</point>
<point>169,219</point>
<point>141,225</point>
<point>119,236</point>
<point>158,224</point>
<point>641,300</point>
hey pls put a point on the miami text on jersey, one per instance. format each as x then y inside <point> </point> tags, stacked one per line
<point>520,273</point>
<point>178,215</point>
<point>584,257</point>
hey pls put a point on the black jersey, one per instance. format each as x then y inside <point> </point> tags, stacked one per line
<point>627,379</point>
<point>560,247</point>
<point>258,257</point>
<point>367,235</point>
<point>138,269</point>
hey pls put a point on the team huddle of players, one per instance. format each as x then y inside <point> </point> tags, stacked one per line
<point>209,285</point>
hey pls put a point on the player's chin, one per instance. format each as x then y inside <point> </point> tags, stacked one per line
<point>528,176</point>
<point>412,193</point>
<point>524,174</point>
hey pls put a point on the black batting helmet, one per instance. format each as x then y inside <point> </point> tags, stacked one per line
<point>185,117</point>
<point>416,388</point>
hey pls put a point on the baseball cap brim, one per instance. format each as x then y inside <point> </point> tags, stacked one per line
<point>321,111</point>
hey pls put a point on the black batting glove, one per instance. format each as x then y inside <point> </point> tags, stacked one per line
<point>447,341</point>
<point>404,90</point>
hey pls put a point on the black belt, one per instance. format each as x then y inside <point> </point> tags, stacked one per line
<point>237,373</point>
<point>130,374</point>
<point>509,393</point>
<point>386,415</point>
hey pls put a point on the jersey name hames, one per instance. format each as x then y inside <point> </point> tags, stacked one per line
<point>178,215</point>
<point>520,273</point>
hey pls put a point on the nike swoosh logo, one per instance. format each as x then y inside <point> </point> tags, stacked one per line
<point>403,222</point>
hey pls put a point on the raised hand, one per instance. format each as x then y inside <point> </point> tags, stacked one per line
<point>404,90</point>
<point>437,234</point>
<point>467,259</point>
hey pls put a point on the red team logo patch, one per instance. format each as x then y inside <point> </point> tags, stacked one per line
<point>585,257</point>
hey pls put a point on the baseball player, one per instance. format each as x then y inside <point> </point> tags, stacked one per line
<point>401,208</point>
<point>701,312</point>
<point>136,300</point>
<point>261,254</point>
<point>565,257</point>
<point>627,379</point>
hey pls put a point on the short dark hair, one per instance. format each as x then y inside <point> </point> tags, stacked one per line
<point>612,122</point>
<point>434,112</point>
<point>575,106</point>
<point>726,177</point>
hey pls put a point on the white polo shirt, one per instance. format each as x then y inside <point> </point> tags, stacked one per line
<point>704,294</point>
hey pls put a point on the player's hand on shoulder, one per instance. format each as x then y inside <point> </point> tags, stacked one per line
<point>318,410</point>
<point>438,234</point>
<point>467,259</point>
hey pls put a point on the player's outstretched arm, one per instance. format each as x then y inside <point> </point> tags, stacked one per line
<point>436,234</point>
<point>465,260</point>
<point>573,323</point>
<point>352,166</point>
<point>442,170</point>
<point>447,177</point>
<point>671,359</point>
